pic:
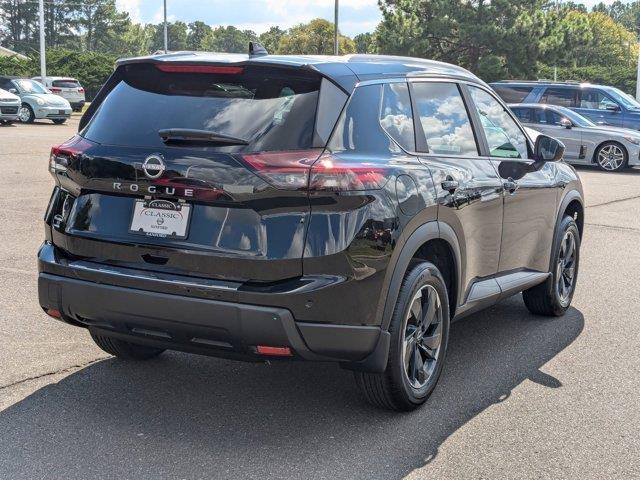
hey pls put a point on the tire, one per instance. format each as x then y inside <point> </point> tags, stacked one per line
<point>124,350</point>
<point>59,121</point>
<point>611,157</point>
<point>26,114</point>
<point>550,298</point>
<point>400,386</point>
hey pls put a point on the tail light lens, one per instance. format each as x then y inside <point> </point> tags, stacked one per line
<point>80,90</point>
<point>329,173</point>
<point>310,170</point>
<point>177,68</point>
<point>55,90</point>
<point>63,154</point>
<point>284,170</point>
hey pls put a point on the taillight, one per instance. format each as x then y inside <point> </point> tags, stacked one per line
<point>55,90</point>
<point>61,155</point>
<point>178,68</point>
<point>284,170</point>
<point>308,169</point>
<point>80,90</point>
<point>330,173</point>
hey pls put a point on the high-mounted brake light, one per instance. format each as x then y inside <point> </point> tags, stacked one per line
<point>173,68</point>
<point>62,154</point>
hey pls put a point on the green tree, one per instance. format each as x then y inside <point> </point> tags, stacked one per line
<point>314,38</point>
<point>18,25</point>
<point>271,39</point>
<point>231,39</point>
<point>101,24</point>
<point>364,43</point>
<point>176,36</point>
<point>199,36</point>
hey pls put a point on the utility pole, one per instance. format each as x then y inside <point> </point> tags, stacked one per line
<point>336,50</point>
<point>638,77</point>
<point>166,35</point>
<point>43,58</point>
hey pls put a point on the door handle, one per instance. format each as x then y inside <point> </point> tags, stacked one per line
<point>510,185</point>
<point>450,185</point>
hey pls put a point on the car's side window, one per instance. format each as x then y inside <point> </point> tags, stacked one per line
<point>396,116</point>
<point>444,119</point>
<point>504,136</point>
<point>525,115</point>
<point>595,100</point>
<point>561,96</point>
<point>554,118</point>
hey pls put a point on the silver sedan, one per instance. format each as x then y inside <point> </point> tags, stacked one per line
<point>611,148</point>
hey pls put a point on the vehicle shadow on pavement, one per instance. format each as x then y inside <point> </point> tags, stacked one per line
<point>182,416</point>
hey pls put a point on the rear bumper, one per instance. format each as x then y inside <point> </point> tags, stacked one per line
<point>136,306</point>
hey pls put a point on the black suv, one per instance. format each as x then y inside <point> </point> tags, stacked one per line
<point>340,209</point>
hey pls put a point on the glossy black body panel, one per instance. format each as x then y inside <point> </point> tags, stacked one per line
<point>326,261</point>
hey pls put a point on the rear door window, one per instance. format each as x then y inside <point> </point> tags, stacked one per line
<point>562,96</point>
<point>395,114</point>
<point>512,94</point>
<point>444,119</point>
<point>271,108</point>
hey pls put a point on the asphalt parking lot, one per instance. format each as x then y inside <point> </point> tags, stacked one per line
<point>520,397</point>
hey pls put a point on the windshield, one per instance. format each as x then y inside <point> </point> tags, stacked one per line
<point>29,86</point>
<point>577,119</point>
<point>273,109</point>
<point>625,99</point>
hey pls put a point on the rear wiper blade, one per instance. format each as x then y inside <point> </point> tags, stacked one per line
<point>199,136</point>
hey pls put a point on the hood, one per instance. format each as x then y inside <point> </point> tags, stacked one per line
<point>50,99</point>
<point>4,96</point>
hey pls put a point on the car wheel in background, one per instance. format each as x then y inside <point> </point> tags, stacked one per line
<point>612,157</point>
<point>25,114</point>
<point>59,121</point>
<point>419,334</point>
<point>553,297</point>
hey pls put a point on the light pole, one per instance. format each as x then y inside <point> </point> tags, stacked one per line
<point>336,50</point>
<point>43,58</point>
<point>638,77</point>
<point>166,36</point>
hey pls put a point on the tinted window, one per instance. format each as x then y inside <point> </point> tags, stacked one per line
<point>273,109</point>
<point>524,114</point>
<point>504,136</point>
<point>65,83</point>
<point>395,114</point>
<point>565,97</point>
<point>359,130</point>
<point>595,100</point>
<point>444,119</point>
<point>512,94</point>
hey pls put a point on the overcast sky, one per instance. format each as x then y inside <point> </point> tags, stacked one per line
<point>356,16</point>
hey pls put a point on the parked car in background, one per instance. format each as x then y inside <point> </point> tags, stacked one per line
<point>67,87</point>
<point>264,206</point>
<point>37,102</point>
<point>599,103</point>
<point>611,148</point>
<point>9,106</point>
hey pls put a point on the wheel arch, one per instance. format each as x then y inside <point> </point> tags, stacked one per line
<point>435,242</point>
<point>572,204</point>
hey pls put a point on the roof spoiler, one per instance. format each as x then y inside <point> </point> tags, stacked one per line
<point>257,50</point>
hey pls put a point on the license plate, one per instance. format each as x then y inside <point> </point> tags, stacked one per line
<point>160,218</point>
<point>61,112</point>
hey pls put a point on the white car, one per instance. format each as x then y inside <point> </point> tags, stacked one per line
<point>67,87</point>
<point>9,106</point>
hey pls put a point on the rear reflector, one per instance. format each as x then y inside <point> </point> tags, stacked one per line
<point>173,68</point>
<point>274,351</point>
<point>52,312</point>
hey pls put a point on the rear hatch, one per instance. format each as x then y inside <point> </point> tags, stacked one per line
<point>199,169</point>
<point>68,88</point>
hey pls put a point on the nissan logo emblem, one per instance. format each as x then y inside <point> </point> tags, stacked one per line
<point>153,166</point>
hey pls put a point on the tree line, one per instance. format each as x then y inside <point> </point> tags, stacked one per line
<point>493,38</point>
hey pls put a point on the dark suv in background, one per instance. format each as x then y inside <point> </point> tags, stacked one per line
<point>599,103</point>
<point>340,209</point>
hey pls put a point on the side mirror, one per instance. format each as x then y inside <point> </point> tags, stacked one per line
<point>13,90</point>
<point>548,149</point>
<point>566,123</point>
<point>612,107</point>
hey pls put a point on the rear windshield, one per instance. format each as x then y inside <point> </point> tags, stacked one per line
<point>272,108</point>
<point>65,83</point>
